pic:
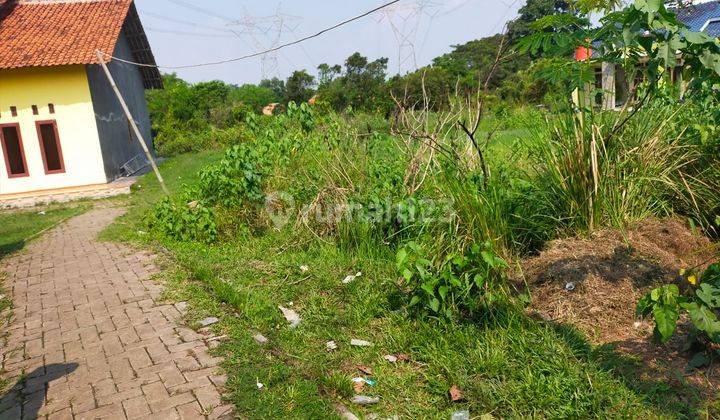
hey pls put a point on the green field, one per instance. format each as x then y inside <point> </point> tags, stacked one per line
<point>506,364</point>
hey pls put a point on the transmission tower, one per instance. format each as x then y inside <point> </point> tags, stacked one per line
<point>404,20</point>
<point>266,32</point>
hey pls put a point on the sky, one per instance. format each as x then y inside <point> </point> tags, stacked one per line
<point>410,33</point>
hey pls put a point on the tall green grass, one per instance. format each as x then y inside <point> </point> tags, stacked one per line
<point>591,171</point>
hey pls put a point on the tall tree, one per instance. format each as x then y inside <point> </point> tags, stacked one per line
<point>327,73</point>
<point>532,11</point>
<point>361,84</point>
<point>470,63</point>
<point>299,87</point>
<point>276,85</point>
<point>256,97</point>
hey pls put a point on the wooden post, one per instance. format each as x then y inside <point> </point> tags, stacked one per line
<point>129,116</point>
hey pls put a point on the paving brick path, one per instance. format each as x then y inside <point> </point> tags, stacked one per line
<point>90,340</point>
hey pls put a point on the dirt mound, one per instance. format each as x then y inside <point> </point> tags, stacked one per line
<point>594,284</point>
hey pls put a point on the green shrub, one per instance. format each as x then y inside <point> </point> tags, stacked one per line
<point>236,180</point>
<point>184,220</point>
<point>302,114</point>
<point>462,283</point>
<point>175,139</point>
<point>226,196</point>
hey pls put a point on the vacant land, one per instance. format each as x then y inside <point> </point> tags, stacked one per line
<point>459,239</point>
<point>503,361</point>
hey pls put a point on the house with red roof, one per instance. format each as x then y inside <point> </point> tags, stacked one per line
<point>61,125</point>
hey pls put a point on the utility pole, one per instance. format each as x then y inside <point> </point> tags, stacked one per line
<point>136,130</point>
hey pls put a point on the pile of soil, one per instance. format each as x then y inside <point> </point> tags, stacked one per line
<point>595,283</point>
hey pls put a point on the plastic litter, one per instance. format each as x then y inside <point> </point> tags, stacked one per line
<point>218,338</point>
<point>365,400</point>
<point>360,343</point>
<point>461,415</point>
<point>261,339</point>
<point>456,394</point>
<point>364,369</point>
<point>291,316</point>
<point>351,278</point>
<point>258,384</point>
<point>331,346</point>
<point>570,286</point>
<point>209,321</point>
<point>390,358</point>
<point>42,213</point>
<point>365,381</point>
<point>359,387</point>
<point>345,413</point>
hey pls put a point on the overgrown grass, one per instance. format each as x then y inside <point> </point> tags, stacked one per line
<point>18,226</point>
<point>506,364</point>
<point>509,367</point>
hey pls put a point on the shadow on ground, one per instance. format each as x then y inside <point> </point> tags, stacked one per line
<point>663,386</point>
<point>624,263</point>
<point>23,400</point>
<point>7,249</point>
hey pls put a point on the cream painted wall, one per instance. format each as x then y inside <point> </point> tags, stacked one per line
<point>67,88</point>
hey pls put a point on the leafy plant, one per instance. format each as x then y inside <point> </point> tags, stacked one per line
<point>644,36</point>
<point>461,282</point>
<point>302,114</point>
<point>235,180</point>
<point>184,220</point>
<point>701,302</point>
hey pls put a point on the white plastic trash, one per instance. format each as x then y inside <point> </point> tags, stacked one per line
<point>351,278</point>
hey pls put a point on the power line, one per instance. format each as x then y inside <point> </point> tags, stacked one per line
<point>507,11</point>
<point>256,54</point>
<point>183,22</point>
<point>201,10</point>
<point>186,33</point>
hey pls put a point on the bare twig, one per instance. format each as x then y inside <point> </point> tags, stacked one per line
<point>480,110</point>
<point>481,155</point>
<point>415,121</point>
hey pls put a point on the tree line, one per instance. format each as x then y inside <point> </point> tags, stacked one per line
<point>361,83</point>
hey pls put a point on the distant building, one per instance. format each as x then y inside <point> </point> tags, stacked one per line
<point>612,80</point>
<point>61,126</point>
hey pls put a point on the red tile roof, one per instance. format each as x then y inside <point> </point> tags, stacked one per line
<point>38,33</point>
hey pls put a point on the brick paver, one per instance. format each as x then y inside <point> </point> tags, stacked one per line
<point>89,338</point>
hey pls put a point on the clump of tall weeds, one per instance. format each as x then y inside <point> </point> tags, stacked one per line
<point>590,172</point>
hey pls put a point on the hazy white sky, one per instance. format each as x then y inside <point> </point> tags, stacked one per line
<point>189,31</point>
